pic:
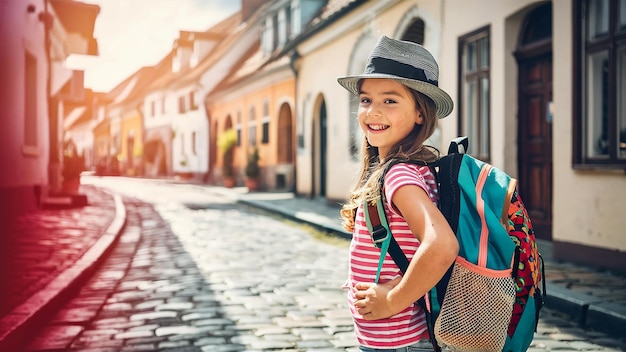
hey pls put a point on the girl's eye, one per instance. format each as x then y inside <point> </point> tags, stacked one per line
<point>390,101</point>
<point>365,100</point>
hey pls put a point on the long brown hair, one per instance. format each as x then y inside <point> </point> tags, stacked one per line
<point>410,148</point>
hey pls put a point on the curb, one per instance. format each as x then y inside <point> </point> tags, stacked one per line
<point>37,307</point>
<point>305,218</point>
<point>585,310</point>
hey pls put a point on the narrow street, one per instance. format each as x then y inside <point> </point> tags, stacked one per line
<point>197,272</point>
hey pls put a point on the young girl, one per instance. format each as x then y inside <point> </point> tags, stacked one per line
<point>399,104</point>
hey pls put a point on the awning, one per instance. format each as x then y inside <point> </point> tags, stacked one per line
<point>78,18</point>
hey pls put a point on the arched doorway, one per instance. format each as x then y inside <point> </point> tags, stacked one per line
<point>319,149</point>
<point>534,58</point>
<point>285,171</point>
<point>130,155</point>
<point>212,150</point>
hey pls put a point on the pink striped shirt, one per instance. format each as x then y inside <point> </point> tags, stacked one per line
<point>408,326</point>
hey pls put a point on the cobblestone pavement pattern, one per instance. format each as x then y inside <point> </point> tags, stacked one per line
<point>36,250</point>
<point>218,276</point>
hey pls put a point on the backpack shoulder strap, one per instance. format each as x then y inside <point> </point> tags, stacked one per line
<point>447,175</point>
<point>458,145</point>
<point>375,217</point>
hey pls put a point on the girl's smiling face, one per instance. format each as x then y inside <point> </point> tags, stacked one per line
<point>387,113</point>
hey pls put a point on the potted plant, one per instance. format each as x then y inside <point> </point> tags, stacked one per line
<point>226,145</point>
<point>253,170</point>
<point>73,165</point>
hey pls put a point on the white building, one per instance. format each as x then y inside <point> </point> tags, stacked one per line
<point>539,95</point>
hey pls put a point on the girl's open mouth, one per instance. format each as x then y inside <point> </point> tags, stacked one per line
<point>377,127</point>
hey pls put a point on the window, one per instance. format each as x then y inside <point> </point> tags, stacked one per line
<point>474,118</point>
<point>268,35</point>
<point>163,106</point>
<point>30,102</point>
<point>238,128</point>
<point>265,138</point>
<point>295,18</point>
<point>288,22</point>
<point>600,117</point>
<point>152,108</point>
<point>282,26</point>
<point>193,100</point>
<point>275,32</point>
<point>193,143</point>
<point>181,105</point>
<point>252,128</point>
<point>415,32</point>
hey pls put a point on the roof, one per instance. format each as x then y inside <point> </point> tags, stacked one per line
<point>217,32</point>
<point>79,112</point>
<point>140,82</point>
<point>249,64</point>
<point>332,11</point>
<point>256,61</point>
<point>232,28</point>
<point>130,87</point>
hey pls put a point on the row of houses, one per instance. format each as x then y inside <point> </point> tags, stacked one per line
<point>539,95</point>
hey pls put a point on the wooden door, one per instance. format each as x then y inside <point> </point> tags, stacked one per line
<point>535,141</point>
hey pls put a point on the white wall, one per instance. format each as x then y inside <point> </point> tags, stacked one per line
<point>586,204</point>
<point>23,167</point>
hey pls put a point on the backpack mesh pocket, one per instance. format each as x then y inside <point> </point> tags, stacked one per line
<point>476,310</point>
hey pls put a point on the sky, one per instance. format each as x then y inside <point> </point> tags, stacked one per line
<point>136,33</point>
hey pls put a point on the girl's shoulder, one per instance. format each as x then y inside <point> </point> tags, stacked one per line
<point>402,174</point>
<point>408,169</point>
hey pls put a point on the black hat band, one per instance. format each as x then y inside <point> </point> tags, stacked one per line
<point>392,67</point>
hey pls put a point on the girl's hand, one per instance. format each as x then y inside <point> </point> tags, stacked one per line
<point>372,300</point>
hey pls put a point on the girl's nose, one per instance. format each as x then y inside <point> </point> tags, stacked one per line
<point>373,111</point>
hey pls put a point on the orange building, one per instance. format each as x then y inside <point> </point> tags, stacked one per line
<point>257,101</point>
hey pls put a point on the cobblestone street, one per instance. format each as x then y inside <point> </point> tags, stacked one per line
<point>195,272</point>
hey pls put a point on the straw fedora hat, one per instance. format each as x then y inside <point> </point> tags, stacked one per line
<point>407,63</point>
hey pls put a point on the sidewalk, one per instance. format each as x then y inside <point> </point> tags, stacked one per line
<point>52,253</point>
<point>57,250</point>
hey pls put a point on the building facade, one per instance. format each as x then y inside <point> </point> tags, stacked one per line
<point>557,128</point>
<point>36,38</point>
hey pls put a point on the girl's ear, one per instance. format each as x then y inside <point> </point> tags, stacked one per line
<point>419,117</point>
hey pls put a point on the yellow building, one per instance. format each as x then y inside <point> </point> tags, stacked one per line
<point>132,143</point>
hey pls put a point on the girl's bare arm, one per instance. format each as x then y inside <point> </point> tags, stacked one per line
<point>437,251</point>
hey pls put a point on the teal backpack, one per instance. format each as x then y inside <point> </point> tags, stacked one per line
<point>490,298</point>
